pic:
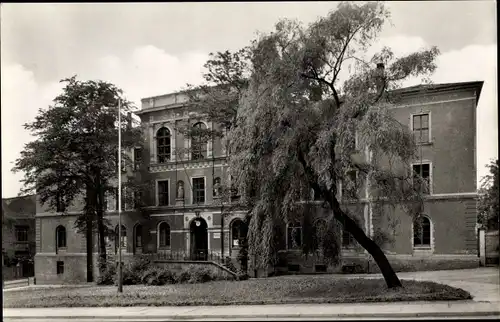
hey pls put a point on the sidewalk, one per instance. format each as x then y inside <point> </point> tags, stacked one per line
<point>302,311</point>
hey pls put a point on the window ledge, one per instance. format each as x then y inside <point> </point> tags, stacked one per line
<point>164,248</point>
<point>422,249</point>
<point>426,143</point>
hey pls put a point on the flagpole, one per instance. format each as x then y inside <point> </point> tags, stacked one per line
<point>120,282</point>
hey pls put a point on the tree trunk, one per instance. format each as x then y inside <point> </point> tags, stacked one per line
<point>100,230</point>
<point>371,247</point>
<point>89,242</point>
<point>88,233</point>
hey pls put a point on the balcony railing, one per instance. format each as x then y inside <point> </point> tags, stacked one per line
<point>201,255</point>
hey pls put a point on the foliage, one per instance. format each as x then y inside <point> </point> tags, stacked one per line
<point>243,254</point>
<point>488,207</point>
<point>284,290</point>
<point>296,124</point>
<point>157,276</point>
<point>198,274</point>
<point>107,273</point>
<point>75,151</point>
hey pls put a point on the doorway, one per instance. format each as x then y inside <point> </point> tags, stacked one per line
<point>199,239</point>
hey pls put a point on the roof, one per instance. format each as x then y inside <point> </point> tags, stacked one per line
<point>20,207</point>
<point>432,88</point>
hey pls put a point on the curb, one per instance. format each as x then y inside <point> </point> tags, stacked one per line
<point>257,316</point>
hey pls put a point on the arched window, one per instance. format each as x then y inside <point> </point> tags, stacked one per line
<point>138,236</point>
<point>422,232</point>
<point>164,235</point>
<point>294,236</point>
<point>163,145</point>
<point>60,237</point>
<point>122,239</point>
<point>198,143</point>
<point>239,232</point>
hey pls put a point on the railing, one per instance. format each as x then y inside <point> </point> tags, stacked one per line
<point>202,255</point>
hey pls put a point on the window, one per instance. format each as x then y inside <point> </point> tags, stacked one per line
<point>238,232</point>
<point>21,233</point>
<point>198,143</point>
<point>163,193</point>
<point>315,196</point>
<point>422,232</point>
<point>137,199</point>
<point>111,199</point>
<point>60,267</point>
<point>234,188</point>
<point>164,235</point>
<point>422,171</point>
<point>60,202</point>
<point>137,158</point>
<point>61,237</point>
<point>138,236</point>
<point>421,128</point>
<point>294,236</point>
<point>127,196</point>
<point>347,239</point>
<point>198,190</point>
<point>350,185</point>
<point>122,239</point>
<point>217,189</point>
<point>163,145</point>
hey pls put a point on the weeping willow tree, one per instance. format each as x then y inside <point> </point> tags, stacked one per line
<point>297,126</point>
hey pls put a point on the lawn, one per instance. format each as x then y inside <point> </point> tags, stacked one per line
<point>278,290</point>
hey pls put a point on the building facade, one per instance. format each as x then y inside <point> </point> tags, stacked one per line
<point>18,237</point>
<point>182,214</point>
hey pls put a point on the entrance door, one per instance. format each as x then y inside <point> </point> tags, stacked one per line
<point>199,239</point>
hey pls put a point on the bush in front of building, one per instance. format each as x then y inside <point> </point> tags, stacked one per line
<point>199,274</point>
<point>157,276</point>
<point>142,271</point>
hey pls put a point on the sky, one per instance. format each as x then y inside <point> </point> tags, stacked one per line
<point>155,48</point>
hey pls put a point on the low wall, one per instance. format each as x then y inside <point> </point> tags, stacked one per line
<point>400,263</point>
<point>178,266</point>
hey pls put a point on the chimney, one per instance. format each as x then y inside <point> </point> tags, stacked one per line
<point>379,77</point>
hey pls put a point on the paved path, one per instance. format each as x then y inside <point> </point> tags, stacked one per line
<point>482,283</point>
<point>303,311</point>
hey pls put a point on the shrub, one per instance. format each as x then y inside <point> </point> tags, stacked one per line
<point>230,265</point>
<point>129,276</point>
<point>140,264</point>
<point>109,274</point>
<point>149,276</point>
<point>157,276</point>
<point>194,274</point>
